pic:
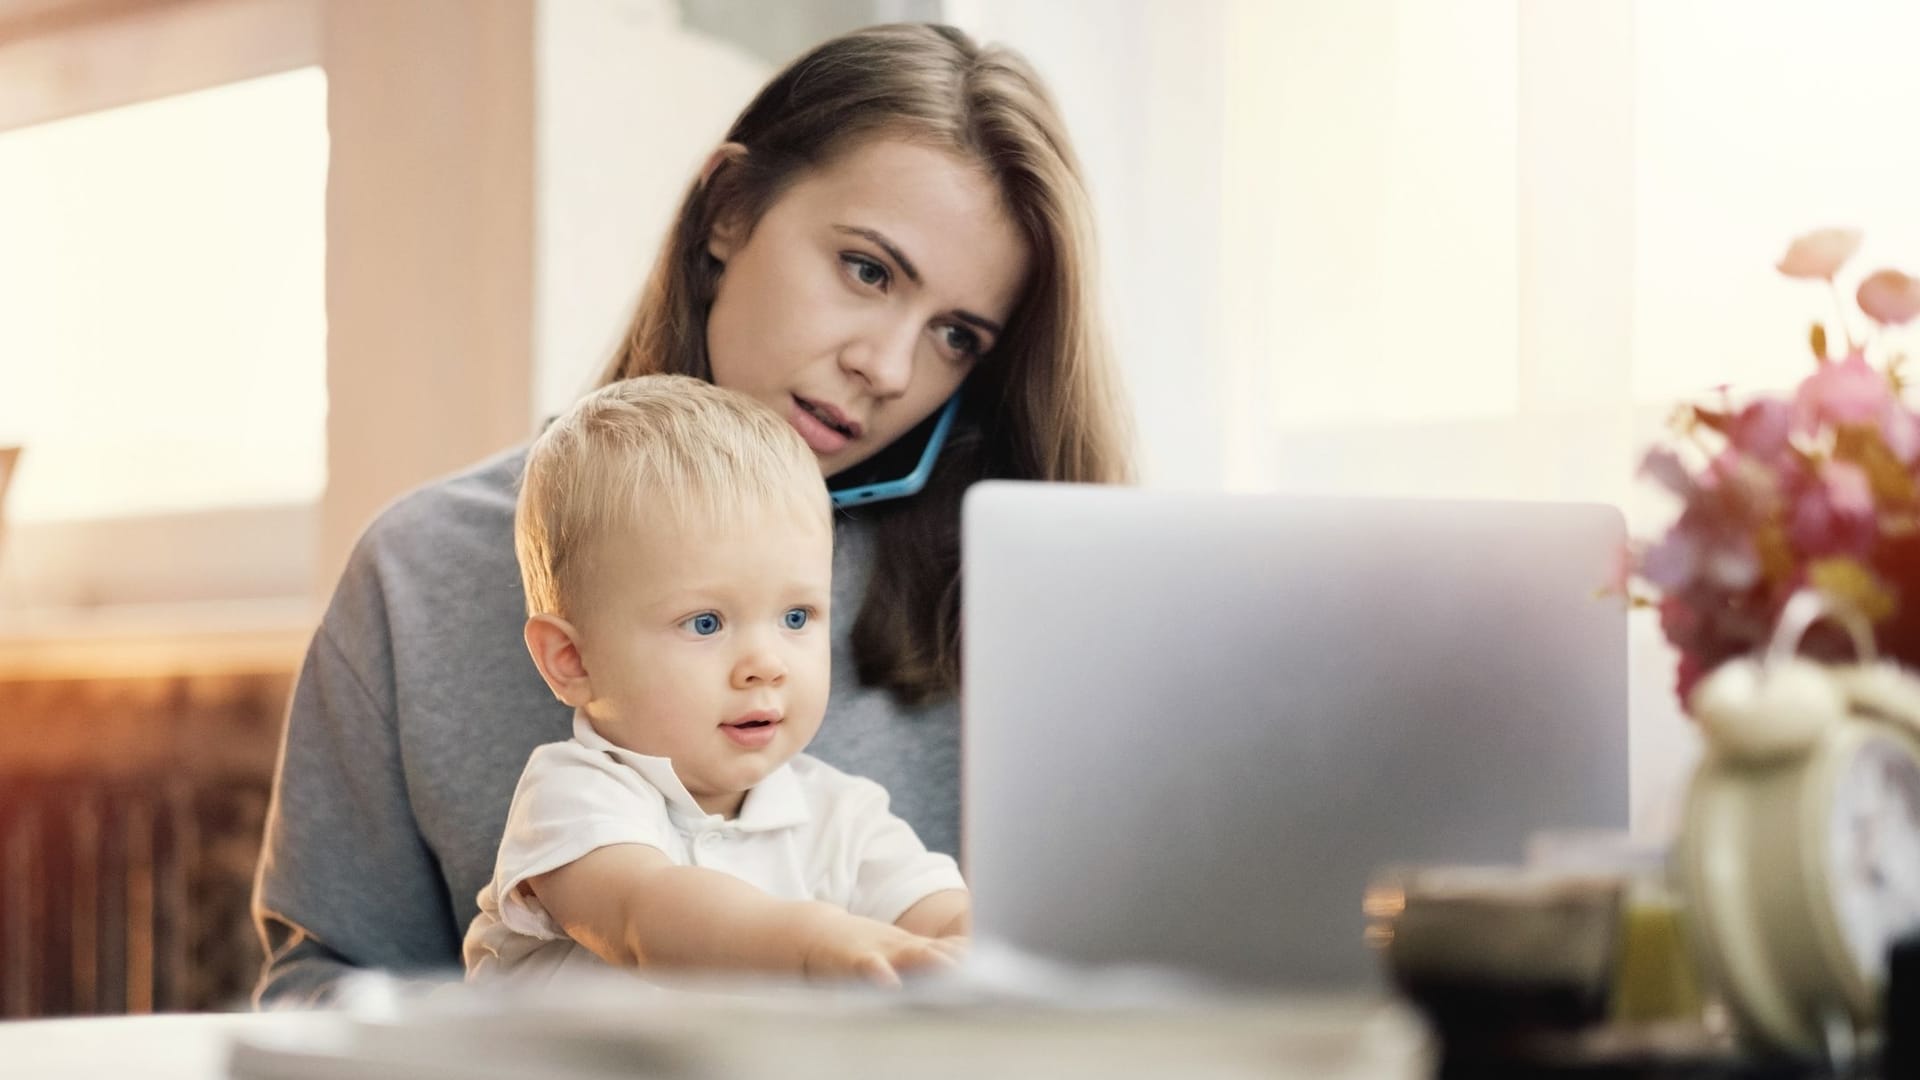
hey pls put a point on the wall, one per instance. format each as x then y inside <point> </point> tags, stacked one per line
<point>632,95</point>
<point>621,133</point>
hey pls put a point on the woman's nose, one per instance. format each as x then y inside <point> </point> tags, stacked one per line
<point>883,359</point>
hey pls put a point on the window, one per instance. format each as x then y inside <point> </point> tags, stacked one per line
<point>1736,153</point>
<point>162,201</point>
<point>164,345</point>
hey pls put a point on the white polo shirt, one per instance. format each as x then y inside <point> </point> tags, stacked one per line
<point>806,832</point>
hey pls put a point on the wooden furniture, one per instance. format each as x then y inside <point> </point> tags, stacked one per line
<point>136,758</point>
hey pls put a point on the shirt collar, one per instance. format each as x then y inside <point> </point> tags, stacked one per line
<point>774,803</point>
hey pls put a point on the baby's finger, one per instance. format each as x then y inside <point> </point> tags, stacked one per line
<point>874,968</point>
<point>925,953</point>
<point>955,947</point>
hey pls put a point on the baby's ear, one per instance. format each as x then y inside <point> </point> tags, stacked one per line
<point>556,652</point>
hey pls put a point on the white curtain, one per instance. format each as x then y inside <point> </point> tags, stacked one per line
<point>1475,248</point>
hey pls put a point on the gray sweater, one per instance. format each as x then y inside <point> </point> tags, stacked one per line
<point>415,710</point>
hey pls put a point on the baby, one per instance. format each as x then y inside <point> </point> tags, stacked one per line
<point>676,545</point>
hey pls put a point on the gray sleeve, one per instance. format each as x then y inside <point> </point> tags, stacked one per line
<point>345,879</point>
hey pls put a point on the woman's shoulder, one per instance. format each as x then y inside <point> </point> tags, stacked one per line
<point>477,499</point>
<point>440,547</point>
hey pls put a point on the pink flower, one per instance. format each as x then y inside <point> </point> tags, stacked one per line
<point>1848,490</point>
<point>1687,675</point>
<point>1834,515</point>
<point>1901,432</point>
<point>1671,564</point>
<point>1792,486</point>
<point>1664,467</point>
<point>1846,391</point>
<point>1738,490</point>
<point>1820,253</point>
<point>1889,297</point>
<point>1678,620</point>
<point>1762,428</point>
<point>1732,565</point>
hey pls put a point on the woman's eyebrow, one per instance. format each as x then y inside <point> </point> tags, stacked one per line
<point>886,245</point>
<point>971,319</point>
<point>913,272</point>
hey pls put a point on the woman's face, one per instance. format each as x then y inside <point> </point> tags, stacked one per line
<point>865,294</point>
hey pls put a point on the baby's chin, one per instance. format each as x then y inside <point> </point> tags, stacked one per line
<point>743,776</point>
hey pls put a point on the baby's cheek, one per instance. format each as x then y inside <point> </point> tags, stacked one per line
<point>669,716</point>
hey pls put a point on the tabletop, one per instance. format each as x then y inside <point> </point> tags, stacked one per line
<point>1319,1039</point>
<point>181,1046</point>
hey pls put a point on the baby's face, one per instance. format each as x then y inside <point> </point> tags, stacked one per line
<point>709,646</point>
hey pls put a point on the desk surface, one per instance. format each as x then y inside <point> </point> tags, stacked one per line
<point>188,1046</point>
<point>1323,1040</point>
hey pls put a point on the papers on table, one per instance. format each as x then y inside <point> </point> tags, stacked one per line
<point>1003,1016</point>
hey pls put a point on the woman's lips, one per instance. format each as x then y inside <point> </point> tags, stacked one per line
<point>834,416</point>
<point>821,438</point>
<point>825,428</point>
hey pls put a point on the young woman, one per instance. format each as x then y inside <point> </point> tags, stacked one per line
<point>895,220</point>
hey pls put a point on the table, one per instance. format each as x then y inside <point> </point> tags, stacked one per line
<point>178,1046</point>
<point>1324,1040</point>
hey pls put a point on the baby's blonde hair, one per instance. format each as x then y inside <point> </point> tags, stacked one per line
<point>667,449</point>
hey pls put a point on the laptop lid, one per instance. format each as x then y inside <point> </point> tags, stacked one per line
<point>1195,724</point>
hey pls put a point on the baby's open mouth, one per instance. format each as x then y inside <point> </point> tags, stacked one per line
<point>754,731</point>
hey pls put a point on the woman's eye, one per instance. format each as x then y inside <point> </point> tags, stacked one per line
<point>796,618</point>
<point>706,624</point>
<point>866,271</point>
<point>963,341</point>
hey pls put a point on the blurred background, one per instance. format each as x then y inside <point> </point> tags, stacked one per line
<point>266,264</point>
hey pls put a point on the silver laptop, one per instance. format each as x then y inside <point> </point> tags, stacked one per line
<point>1195,724</point>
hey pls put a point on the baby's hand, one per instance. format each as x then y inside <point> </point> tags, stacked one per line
<point>852,947</point>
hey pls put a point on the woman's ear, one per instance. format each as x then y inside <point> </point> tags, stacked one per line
<point>727,233</point>
<point>723,241</point>
<point>556,652</point>
<point>726,153</point>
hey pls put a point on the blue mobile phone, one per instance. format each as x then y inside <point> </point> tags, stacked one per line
<point>880,477</point>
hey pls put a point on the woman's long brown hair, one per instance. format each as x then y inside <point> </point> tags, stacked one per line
<point>1043,405</point>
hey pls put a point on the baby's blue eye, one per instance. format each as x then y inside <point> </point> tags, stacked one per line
<point>706,624</point>
<point>796,618</point>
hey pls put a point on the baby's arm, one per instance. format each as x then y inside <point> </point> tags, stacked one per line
<point>631,906</point>
<point>894,875</point>
<point>945,914</point>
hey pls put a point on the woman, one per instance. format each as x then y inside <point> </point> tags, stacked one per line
<point>896,218</point>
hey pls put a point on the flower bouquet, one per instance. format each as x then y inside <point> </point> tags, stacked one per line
<point>1818,489</point>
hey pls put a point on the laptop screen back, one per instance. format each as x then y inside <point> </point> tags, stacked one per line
<point>1195,724</point>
